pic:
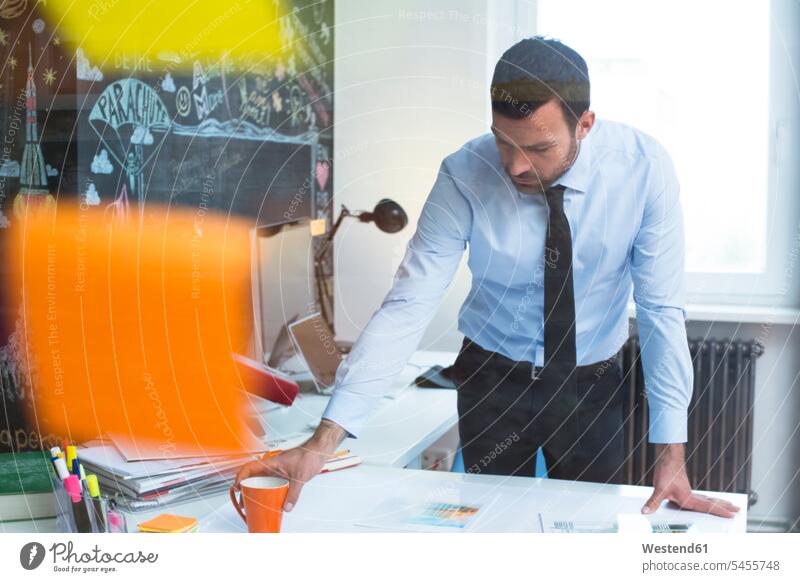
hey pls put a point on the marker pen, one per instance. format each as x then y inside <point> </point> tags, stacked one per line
<point>83,521</point>
<point>77,468</point>
<point>61,468</point>
<point>116,521</point>
<point>97,503</point>
<point>72,453</point>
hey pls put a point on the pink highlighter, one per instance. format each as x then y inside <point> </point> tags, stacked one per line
<point>83,521</point>
<point>116,521</point>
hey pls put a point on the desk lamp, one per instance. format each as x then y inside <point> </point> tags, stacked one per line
<point>387,215</point>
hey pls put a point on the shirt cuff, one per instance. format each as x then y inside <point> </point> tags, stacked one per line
<point>348,410</point>
<point>668,426</point>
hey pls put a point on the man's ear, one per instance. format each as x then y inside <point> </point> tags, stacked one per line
<point>584,125</point>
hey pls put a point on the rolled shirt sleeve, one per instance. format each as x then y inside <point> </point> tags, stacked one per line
<point>394,331</point>
<point>658,273</point>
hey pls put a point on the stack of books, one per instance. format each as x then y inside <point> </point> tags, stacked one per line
<point>26,488</point>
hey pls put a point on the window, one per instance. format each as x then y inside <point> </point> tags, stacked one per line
<point>696,76</point>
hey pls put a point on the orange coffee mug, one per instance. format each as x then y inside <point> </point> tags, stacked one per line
<point>261,503</point>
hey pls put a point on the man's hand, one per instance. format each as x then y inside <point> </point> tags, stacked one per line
<point>299,464</point>
<point>671,482</point>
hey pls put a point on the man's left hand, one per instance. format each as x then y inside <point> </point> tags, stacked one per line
<point>670,482</point>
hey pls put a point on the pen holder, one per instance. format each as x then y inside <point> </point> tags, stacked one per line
<point>86,515</point>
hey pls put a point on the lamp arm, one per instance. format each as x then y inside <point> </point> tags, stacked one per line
<point>322,290</point>
<point>329,239</point>
<point>324,299</point>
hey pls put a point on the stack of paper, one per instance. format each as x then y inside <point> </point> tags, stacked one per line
<point>139,480</point>
<point>149,483</point>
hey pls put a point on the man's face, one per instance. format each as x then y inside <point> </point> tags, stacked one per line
<point>536,150</point>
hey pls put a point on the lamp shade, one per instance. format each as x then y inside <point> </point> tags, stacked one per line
<point>388,216</point>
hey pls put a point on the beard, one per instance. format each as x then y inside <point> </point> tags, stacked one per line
<point>543,182</point>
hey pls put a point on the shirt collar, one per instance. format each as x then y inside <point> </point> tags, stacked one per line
<point>577,176</point>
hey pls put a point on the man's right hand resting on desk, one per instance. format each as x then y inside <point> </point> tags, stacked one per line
<point>299,464</point>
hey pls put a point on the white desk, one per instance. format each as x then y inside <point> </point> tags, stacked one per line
<point>335,502</point>
<point>401,427</point>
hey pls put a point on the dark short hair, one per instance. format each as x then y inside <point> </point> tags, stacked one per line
<point>535,71</point>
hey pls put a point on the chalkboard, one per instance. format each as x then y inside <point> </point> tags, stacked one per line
<point>269,180</point>
<point>251,137</point>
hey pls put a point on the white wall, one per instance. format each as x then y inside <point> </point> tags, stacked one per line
<point>411,87</point>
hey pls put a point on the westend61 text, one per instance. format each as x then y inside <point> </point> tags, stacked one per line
<point>675,549</point>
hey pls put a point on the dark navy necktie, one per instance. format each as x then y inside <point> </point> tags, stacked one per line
<point>559,295</point>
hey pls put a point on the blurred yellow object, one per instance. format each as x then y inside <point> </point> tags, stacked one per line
<point>174,31</point>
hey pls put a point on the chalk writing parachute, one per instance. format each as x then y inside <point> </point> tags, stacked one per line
<point>124,117</point>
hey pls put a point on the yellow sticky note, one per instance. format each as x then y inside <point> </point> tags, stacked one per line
<point>318,227</point>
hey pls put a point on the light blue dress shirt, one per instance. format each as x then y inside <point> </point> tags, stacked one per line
<point>621,200</point>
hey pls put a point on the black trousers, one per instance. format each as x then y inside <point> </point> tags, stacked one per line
<point>505,415</point>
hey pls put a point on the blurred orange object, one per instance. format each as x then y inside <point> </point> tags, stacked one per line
<point>130,328</point>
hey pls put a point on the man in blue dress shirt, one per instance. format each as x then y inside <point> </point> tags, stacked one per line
<point>565,216</point>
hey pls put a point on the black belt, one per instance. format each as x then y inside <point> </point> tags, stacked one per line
<point>587,372</point>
